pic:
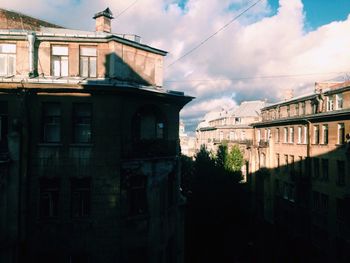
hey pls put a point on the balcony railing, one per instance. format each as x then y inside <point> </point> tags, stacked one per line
<point>245,141</point>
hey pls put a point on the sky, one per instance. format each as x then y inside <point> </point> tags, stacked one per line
<point>275,46</point>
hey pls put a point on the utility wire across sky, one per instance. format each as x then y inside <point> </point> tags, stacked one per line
<point>258,77</point>
<point>126,9</point>
<point>212,35</point>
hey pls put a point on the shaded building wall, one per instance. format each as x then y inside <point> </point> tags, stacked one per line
<point>295,181</point>
<point>108,233</point>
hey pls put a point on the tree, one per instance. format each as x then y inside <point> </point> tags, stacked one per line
<point>235,159</point>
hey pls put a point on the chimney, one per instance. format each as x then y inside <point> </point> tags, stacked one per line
<point>103,21</point>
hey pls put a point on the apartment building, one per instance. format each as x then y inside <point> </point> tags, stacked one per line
<point>229,125</point>
<point>89,146</point>
<point>301,166</point>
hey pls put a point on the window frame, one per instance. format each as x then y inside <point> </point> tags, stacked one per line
<point>82,121</point>
<point>89,57</point>
<point>51,120</point>
<point>59,58</point>
<point>7,57</point>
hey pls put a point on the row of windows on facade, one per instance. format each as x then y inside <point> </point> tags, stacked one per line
<point>136,196</point>
<point>302,134</point>
<point>82,119</point>
<point>320,169</point>
<point>333,102</point>
<point>320,201</point>
<point>150,127</point>
<point>59,61</point>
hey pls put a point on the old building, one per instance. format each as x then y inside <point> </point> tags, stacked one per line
<point>89,146</point>
<point>232,127</point>
<point>301,166</point>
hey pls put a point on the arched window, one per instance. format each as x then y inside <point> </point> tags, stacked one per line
<point>149,124</point>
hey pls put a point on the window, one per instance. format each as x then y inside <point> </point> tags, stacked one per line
<point>325,169</point>
<point>291,135</point>
<point>232,135</point>
<point>51,122</point>
<point>299,134</point>
<point>300,165</point>
<point>324,202</point>
<point>3,124</point>
<point>286,163</point>
<point>292,165</point>
<point>277,135</point>
<point>262,160</point>
<point>88,61</point>
<point>221,135</point>
<point>339,101</point>
<point>149,124</point>
<point>285,135</point>
<point>277,160</point>
<point>243,135</point>
<point>341,133</point>
<point>49,193</point>
<point>316,200</point>
<point>7,59</point>
<point>289,192</point>
<point>82,122</point>
<point>325,133</point>
<point>258,136</point>
<point>316,134</point>
<point>341,209</point>
<point>330,103</point>
<point>341,173</point>
<point>303,111</point>
<point>237,120</point>
<point>316,162</point>
<point>59,64</point>
<point>137,195</point>
<point>297,109</point>
<point>306,135</point>
<point>80,197</point>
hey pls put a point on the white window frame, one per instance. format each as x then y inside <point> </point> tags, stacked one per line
<point>90,54</point>
<point>339,101</point>
<point>330,103</point>
<point>8,56</point>
<point>299,134</point>
<point>59,61</point>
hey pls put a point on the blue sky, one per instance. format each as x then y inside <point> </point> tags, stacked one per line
<point>321,12</point>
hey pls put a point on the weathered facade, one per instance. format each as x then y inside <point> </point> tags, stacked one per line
<point>301,166</point>
<point>89,146</point>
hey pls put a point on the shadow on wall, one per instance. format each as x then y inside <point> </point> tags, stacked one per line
<point>117,69</point>
<point>309,203</point>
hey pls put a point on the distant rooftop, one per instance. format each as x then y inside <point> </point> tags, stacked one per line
<point>15,20</point>
<point>249,108</point>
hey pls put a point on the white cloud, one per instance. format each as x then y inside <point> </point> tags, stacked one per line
<point>258,44</point>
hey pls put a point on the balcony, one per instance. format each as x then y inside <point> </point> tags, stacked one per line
<point>263,144</point>
<point>152,148</point>
<point>245,141</point>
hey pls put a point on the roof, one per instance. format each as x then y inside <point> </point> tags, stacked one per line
<point>291,100</point>
<point>15,20</point>
<point>18,26</point>
<point>248,109</point>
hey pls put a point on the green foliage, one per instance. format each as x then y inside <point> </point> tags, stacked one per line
<point>235,159</point>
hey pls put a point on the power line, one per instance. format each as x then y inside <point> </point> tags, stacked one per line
<point>257,77</point>
<point>126,9</point>
<point>215,33</point>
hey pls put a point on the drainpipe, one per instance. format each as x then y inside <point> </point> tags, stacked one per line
<point>31,55</point>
